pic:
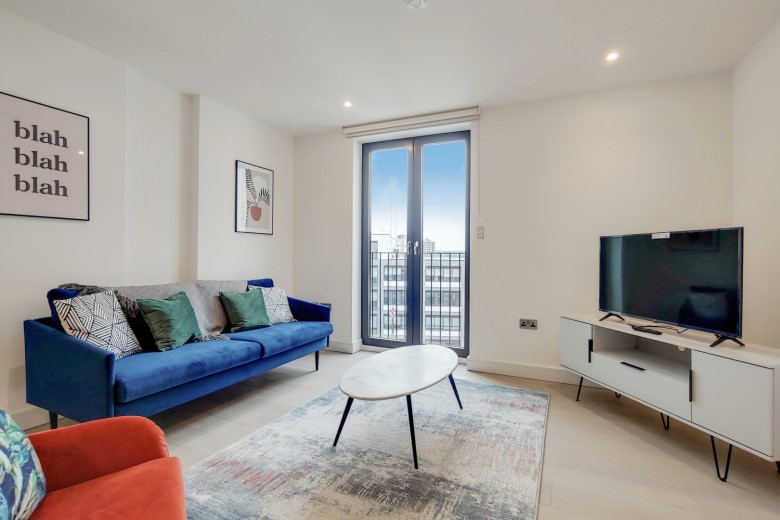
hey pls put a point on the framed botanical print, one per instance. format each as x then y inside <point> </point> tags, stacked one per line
<point>254,199</point>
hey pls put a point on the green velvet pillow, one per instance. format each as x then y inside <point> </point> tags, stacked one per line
<point>172,320</point>
<point>245,310</point>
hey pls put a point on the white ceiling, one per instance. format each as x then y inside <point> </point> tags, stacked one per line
<point>292,63</point>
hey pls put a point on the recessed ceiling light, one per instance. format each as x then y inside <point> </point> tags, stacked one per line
<point>81,152</point>
<point>347,104</point>
<point>416,4</point>
<point>612,56</point>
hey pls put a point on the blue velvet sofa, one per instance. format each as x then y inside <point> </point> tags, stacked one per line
<point>75,379</point>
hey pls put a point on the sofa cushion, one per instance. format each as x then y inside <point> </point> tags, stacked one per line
<point>22,483</point>
<point>276,304</point>
<point>129,307</point>
<point>151,372</point>
<point>203,295</point>
<point>98,319</point>
<point>153,490</point>
<point>159,291</point>
<point>285,336</point>
<point>215,321</point>
<point>245,310</point>
<point>172,321</point>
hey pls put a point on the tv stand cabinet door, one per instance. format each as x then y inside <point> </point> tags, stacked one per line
<point>575,345</point>
<point>734,399</point>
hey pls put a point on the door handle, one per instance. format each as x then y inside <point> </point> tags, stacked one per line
<point>416,245</point>
<point>690,385</point>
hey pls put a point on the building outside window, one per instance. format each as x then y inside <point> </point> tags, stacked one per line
<point>443,295</point>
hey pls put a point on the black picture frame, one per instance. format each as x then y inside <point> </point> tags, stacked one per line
<point>254,199</point>
<point>44,160</point>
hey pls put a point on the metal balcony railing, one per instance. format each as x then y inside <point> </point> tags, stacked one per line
<point>442,292</point>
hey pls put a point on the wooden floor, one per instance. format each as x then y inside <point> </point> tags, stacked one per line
<point>605,458</point>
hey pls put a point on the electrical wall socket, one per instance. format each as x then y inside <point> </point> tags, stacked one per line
<point>528,324</point>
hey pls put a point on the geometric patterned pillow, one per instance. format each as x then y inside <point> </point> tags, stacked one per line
<point>22,483</point>
<point>98,319</point>
<point>276,304</point>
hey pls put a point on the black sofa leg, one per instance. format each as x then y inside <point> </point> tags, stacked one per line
<point>317,360</point>
<point>53,420</point>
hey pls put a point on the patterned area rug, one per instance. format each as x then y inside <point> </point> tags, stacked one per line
<point>482,462</point>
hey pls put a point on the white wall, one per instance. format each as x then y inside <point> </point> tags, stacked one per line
<point>224,137</point>
<point>162,179</point>
<point>160,174</point>
<point>35,253</point>
<point>553,176</point>
<point>324,219</point>
<point>557,174</point>
<point>757,183</point>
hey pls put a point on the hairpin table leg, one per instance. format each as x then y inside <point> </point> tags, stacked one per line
<point>411,428</point>
<point>728,460</point>
<point>455,389</point>
<point>343,419</point>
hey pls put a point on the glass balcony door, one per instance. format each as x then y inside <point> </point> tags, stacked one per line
<point>387,213</point>
<point>442,162</point>
<point>415,242</point>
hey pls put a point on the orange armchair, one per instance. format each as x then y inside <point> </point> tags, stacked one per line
<point>116,468</point>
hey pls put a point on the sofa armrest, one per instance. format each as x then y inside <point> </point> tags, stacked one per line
<point>308,311</point>
<point>66,375</point>
<point>75,454</point>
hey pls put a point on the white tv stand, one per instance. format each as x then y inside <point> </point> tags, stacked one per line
<point>729,392</point>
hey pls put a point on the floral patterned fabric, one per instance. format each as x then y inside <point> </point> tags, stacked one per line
<point>22,484</point>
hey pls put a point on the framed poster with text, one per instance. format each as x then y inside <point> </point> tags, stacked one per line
<point>44,160</point>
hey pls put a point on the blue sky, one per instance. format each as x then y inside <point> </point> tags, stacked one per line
<point>444,193</point>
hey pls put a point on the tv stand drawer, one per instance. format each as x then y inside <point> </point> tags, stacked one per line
<point>631,377</point>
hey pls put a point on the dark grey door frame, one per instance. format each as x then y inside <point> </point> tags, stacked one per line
<point>415,275</point>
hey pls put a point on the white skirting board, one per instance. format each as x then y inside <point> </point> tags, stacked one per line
<point>347,347</point>
<point>539,372</point>
<point>372,348</point>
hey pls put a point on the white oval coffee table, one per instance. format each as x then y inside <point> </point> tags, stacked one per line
<point>396,373</point>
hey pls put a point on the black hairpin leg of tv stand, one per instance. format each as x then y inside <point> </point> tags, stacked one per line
<point>665,421</point>
<point>579,390</point>
<point>720,339</point>
<point>618,316</point>
<point>728,460</point>
<point>777,463</point>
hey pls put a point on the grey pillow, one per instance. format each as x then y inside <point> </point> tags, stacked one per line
<point>158,291</point>
<point>208,307</point>
<point>161,292</point>
<point>203,295</point>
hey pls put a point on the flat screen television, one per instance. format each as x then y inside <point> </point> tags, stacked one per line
<point>690,279</point>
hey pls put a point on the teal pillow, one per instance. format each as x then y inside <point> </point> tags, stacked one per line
<point>245,310</point>
<point>22,483</point>
<point>172,320</point>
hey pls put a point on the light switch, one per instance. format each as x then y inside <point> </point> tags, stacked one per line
<point>480,231</point>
